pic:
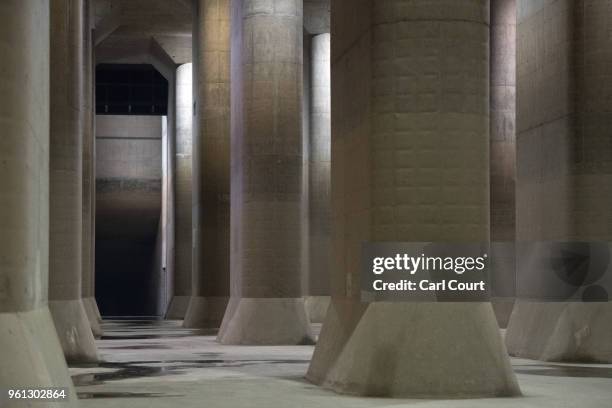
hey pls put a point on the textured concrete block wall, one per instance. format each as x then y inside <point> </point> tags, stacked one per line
<point>267,174</point>
<point>410,160</point>
<point>267,164</point>
<point>544,119</point>
<point>563,119</point>
<point>351,73</point>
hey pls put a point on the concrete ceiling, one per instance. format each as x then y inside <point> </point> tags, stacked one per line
<point>124,27</point>
<point>127,30</point>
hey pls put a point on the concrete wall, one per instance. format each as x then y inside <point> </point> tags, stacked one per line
<point>128,210</point>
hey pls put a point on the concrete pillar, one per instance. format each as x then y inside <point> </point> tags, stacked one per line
<point>319,205</point>
<point>503,156</point>
<point>30,351</point>
<point>564,116</point>
<point>66,178</point>
<point>211,165</point>
<point>182,192</point>
<point>266,305</point>
<point>89,185</point>
<point>410,158</point>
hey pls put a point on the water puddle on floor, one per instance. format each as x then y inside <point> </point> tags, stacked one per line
<point>553,370</point>
<point>143,369</point>
<point>100,395</point>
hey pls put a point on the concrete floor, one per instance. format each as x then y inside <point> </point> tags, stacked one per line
<point>159,364</point>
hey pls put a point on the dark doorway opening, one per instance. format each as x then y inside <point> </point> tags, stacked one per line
<point>131,104</point>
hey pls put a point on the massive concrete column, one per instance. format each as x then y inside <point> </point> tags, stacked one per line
<point>564,172</point>
<point>410,154</point>
<point>66,177</point>
<point>266,305</point>
<point>89,185</point>
<point>319,205</point>
<point>30,351</point>
<point>182,193</point>
<point>503,156</point>
<point>211,164</point>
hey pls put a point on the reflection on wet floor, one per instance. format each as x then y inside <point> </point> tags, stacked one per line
<point>95,395</point>
<point>134,350</point>
<point>123,371</point>
<point>135,353</point>
<point>561,370</point>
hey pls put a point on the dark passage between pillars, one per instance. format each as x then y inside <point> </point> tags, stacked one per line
<point>266,305</point>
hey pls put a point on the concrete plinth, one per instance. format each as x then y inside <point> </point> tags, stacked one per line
<point>74,330</point>
<point>93,315</point>
<point>376,355</point>
<point>178,307</point>
<point>551,331</point>
<point>260,321</point>
<point>316,307</point>
<point>32,356</point>
<point>205,312</point>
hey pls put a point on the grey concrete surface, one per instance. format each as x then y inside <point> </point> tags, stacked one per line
<point>160,364</point>
<point>66,181</point>
<point>319,203</point>
<point>503,154</point>
<point>30,350</point>
<point>211,164</point>
<point>183,193</point>
<point>563,164</point>
<point>266,175</point>
<point>89,184</point>
<point>410,158</point>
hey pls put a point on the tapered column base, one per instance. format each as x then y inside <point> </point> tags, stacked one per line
<point>413,350</point>
<point>74,331</point>
<point>31,355</point>
<point>178,307</point>
<point>205,312</point>
<point>557,331</point>
<point>502,307</point>
<point>260,321</point>
<point>316,307</point>
<point>91,309</point>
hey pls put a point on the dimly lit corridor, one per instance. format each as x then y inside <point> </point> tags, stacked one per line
<point>305,203</point>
